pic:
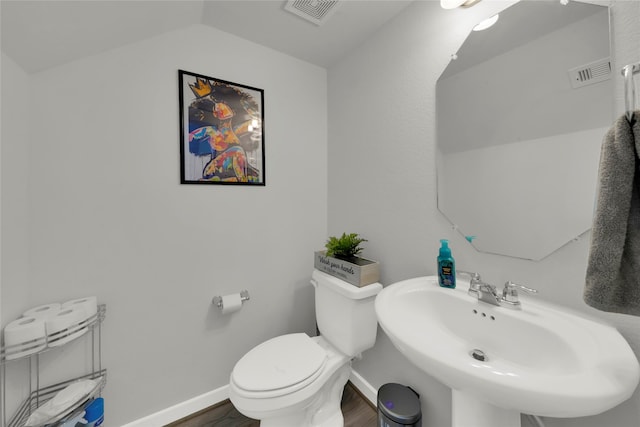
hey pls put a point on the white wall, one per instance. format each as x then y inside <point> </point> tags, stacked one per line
<point>382,184</point>
<point>626,44</point>
<point>15,180</point>
<point>14,176</point>
<point>108,217</point>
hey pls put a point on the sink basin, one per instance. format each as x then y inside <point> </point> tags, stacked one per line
<point>539,360</point>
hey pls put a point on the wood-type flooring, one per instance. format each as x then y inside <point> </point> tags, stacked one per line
<point>357,411</point>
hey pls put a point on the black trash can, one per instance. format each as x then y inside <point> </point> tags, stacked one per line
<point>398,406</point>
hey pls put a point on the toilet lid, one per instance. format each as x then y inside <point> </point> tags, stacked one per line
<point>279,363</point>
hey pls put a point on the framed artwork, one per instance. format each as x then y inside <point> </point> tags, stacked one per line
<point>221,131</point>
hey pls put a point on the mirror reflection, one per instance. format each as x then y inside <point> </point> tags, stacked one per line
<point>521,114</point>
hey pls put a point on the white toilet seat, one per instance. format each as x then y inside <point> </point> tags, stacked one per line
<point>279,366</point>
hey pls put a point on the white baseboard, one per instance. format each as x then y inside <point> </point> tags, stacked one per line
<point>198,403</point>
<point>363,386</point>
<point>184,409</point>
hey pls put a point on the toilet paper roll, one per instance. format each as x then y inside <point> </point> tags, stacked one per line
<point>42,311</point>
<point>68,324</point>
<point>88,304</point>
<point>24,336</point>
<point>231,303</point>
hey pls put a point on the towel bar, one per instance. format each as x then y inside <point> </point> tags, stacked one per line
<point>630,88</point>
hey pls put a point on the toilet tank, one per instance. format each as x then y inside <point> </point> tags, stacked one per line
<point>345,313</point>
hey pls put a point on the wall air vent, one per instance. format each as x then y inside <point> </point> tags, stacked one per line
<point>591,73</point>
<point>316,11</point>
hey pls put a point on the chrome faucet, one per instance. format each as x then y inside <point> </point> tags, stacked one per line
<point>510,294</point>
<point>481,290</point>
<point>488,293</point>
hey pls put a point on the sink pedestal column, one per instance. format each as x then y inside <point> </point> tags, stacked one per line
<point>467,410</point>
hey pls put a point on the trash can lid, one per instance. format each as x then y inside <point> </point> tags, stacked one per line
<point>399,403</point>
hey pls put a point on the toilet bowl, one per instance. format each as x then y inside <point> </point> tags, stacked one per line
<point>291,381</point>
<point>297,381</point>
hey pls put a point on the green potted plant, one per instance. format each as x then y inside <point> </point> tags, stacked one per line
<point>341,259</point>
<point>346,247</point>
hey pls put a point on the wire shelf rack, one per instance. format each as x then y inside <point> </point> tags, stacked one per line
<point>39,395</point>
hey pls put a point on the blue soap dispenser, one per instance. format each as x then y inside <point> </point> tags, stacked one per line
<point>446,266</point>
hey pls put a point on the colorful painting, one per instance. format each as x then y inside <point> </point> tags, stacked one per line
<point>221,131</point>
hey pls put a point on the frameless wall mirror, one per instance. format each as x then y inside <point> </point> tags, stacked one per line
<point>521,114</point>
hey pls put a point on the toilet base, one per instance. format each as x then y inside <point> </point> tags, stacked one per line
<point>322,410</point>
<point>329,413</point>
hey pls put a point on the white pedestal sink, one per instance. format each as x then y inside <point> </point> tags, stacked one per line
<point>501,362</point>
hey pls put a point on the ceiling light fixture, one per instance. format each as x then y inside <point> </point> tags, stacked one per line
<point>452,4</point>
<point>487,23</point>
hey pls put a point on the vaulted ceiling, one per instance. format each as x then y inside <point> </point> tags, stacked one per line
<point>42,34</point>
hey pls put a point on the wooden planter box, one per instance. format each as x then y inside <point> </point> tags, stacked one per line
<point>359,271</point>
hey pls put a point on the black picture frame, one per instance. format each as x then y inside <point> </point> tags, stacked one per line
<point>221,131</point>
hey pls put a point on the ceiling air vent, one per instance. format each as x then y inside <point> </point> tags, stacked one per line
<point>593,72</point>
<point>316,11</point>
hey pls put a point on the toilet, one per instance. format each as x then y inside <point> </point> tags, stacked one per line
<point>297,381</point>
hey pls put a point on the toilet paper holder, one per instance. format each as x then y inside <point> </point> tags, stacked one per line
<point>244,296</point>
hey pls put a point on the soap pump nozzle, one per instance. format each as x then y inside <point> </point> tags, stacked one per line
<point>444,248</point>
